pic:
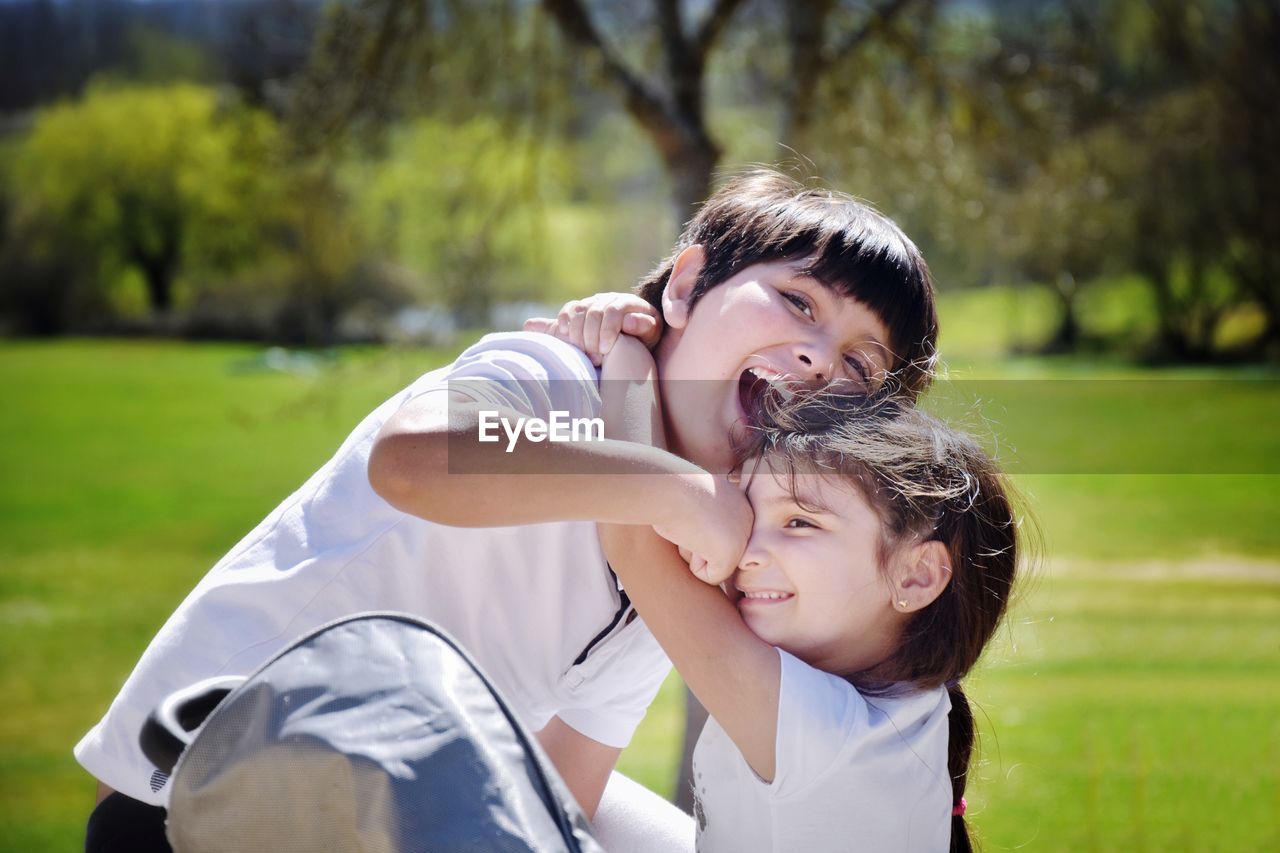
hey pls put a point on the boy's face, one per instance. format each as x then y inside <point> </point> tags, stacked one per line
<point>768,322</point>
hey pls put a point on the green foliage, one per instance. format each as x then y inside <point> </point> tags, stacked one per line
<point>156,57</point>
<point>461,205</point>
<point>1059,144</point>
<point>154,179</point>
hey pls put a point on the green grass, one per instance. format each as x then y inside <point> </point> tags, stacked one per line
<point>1131,705</point>
<point>1131,711</point>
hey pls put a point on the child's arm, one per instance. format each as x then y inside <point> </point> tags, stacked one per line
<point>734,673</point>
<point>616,481</point>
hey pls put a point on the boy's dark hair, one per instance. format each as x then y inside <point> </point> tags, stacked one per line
<point>925,481</point>
<point>763,216</point>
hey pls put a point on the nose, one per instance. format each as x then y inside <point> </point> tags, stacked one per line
<point>756,556</point>
<point>815,361</point>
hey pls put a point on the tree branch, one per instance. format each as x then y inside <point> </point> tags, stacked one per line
<point>671,33</point>
<point>712,25</point>
<point>674,125</point>
<point>875,20</point>
<point>639,97</point>
<point>684,66</point>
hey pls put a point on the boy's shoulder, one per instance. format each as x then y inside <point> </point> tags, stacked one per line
<point>531,355</point>
<point>530,372</point>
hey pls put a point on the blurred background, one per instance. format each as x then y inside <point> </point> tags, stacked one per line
<point>229,228</point>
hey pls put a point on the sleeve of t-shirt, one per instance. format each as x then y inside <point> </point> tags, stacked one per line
<point>531,373</point>
<point>623,678</point>
<point>818,715</point>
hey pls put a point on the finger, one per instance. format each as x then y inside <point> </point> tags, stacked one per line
<point>575,330</point>
<point>591,332</point>
<point>565,316</point>
<point>636,304</point>
<point>611,327</point>
<point>546,325</point>
<point>642,326</point>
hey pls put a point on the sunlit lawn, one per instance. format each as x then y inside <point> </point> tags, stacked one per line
<point>1132,704</point>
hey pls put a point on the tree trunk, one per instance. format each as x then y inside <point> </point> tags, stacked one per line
<point>157,270</point>
<point>690,174</point>
<point>695,717</point>
<point>806,36</point>
<point>1066,337</point>
<point>1171,340</point>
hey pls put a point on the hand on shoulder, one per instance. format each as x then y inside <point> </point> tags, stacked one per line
<point>595,324</point>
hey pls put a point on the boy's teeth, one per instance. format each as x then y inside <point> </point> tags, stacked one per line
<point>772,596</point>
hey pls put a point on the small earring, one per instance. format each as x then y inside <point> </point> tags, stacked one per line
<point>902,603</point>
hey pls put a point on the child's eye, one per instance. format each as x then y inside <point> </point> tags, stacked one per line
<point>800,524</point>
<point>800,302</point>
<point>860,370</point>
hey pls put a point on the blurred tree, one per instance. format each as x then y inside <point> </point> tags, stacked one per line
<point>457,202</point>
<point>325,251</point>
<point>1070,228</point>
<point>376,58</point>
<point>1178,235</point>
<point>1196,105</point>
<point>1246,83</point>
<point>1071,139</point>
<point>154,57</point>
<point>152,179</point>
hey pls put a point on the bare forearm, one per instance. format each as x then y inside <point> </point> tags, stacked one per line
<point>419,471</point>
<point>584,764</point>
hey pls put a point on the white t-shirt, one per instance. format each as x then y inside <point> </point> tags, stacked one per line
<point>853,772</point>
<point>525,601</point>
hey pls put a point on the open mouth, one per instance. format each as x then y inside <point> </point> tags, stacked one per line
<point>755,384</point>
<point>752,386</point>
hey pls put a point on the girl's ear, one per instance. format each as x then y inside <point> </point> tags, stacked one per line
<point>684,275</point>
<point>923,574</point>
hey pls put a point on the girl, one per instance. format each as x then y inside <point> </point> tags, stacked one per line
<point>880,562</point>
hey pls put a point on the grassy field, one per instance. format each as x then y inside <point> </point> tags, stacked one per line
<point>1131,704</point>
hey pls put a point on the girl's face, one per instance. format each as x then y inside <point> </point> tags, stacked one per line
<point>810,581</point>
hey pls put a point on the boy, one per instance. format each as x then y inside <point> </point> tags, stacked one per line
<point>787,282</point>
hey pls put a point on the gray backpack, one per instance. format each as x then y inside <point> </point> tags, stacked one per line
<point>373,733</point>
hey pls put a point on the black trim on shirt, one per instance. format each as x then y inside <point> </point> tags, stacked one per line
<point>624,610</point>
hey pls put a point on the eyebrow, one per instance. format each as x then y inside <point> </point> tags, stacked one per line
<point>815,506</point>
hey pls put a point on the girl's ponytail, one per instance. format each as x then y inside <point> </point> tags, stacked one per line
<point>959,750</point>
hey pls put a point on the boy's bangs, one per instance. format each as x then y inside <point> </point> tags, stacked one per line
<point>846,246</point>
<point>879,270</point>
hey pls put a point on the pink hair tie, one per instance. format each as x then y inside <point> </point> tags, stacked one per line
<point>958,809</point>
